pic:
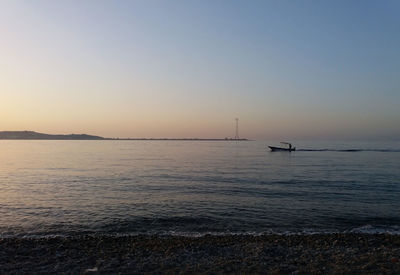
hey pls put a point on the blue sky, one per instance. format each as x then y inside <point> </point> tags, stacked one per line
<point>287,69</point>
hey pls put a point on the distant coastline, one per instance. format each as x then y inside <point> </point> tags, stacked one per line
<point>31,135</point>
<point>41,136</point>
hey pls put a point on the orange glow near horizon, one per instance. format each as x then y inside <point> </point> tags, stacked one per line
<point>95,69</point>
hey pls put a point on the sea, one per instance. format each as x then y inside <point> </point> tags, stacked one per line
<point>194,188</point>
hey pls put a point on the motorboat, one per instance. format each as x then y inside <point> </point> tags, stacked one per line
<point>288,148</point>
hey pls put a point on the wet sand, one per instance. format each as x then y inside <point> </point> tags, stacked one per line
<point>232,254</point>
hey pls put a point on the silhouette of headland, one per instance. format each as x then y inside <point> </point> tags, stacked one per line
<point>31,135</point>
<point>35,135</point>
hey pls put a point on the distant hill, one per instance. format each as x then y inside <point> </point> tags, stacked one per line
<point>35,135</point>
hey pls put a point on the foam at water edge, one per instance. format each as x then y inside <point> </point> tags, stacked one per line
<point>369,229</point>
<point>366,229</point>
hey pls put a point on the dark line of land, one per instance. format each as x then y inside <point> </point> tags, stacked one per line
<point>35,135</point>
<point>181,139</point>
<point>31,135</point>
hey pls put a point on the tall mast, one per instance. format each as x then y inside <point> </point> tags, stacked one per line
<point>237,128</point>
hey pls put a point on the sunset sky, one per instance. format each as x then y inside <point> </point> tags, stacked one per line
<point>286,69</point>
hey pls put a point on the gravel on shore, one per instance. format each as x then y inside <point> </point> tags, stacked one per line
<point>230,254</point>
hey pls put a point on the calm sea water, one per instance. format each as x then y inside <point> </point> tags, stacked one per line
<point>175,187</point>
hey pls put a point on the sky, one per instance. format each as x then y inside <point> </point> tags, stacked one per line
<point>287,69</point>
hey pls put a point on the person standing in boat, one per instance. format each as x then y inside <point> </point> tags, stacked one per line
<point>290,146</point>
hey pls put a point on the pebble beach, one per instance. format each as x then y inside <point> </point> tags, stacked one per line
<point>209,254</point>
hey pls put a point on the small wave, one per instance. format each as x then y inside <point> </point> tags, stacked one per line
<point>369,229</point>
<point>366,229</point>
<point>351,150</point>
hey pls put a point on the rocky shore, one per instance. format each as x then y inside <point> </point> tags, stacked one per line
<point>231,254</point>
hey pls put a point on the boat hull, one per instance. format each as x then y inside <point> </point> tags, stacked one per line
<point>275,149</point>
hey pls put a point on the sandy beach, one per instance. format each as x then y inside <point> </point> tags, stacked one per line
<point>238,254</point>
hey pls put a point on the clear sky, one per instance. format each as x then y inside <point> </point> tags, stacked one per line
<point>287,69</point>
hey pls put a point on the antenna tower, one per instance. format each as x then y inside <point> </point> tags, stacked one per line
<point>237,128</point>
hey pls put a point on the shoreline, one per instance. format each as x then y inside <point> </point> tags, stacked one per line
<point>32,135</point>
<point>133,139</point>
<point>336,253</point>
